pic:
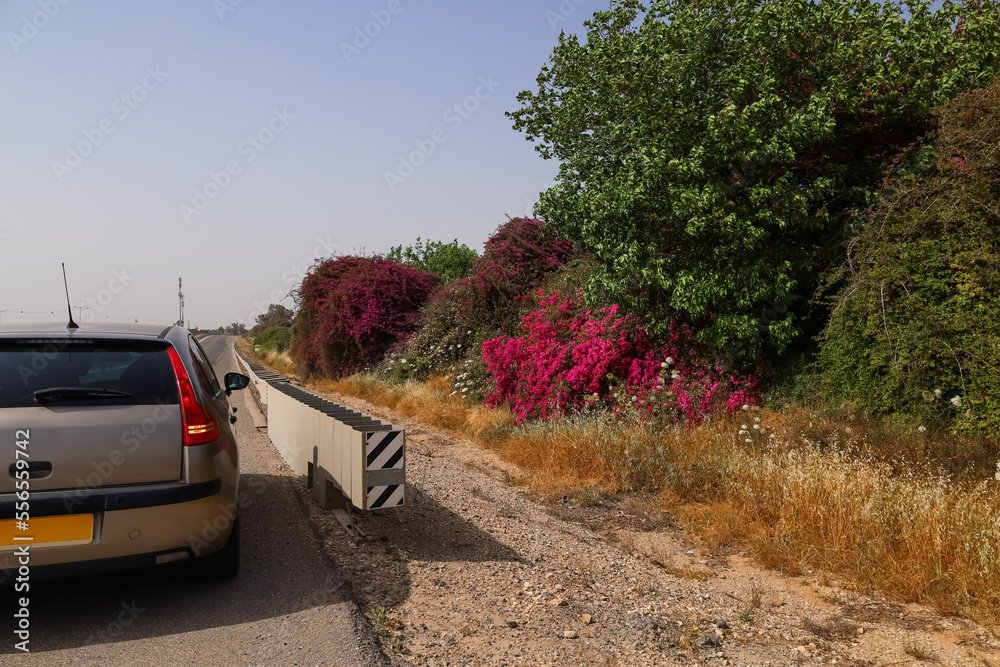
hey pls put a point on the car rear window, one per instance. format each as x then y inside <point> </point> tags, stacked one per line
<point>141,369</point>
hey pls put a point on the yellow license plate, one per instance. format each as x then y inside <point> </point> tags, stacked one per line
<point>68,529</point>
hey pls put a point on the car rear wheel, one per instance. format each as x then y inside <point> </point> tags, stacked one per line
<point>223,564</point>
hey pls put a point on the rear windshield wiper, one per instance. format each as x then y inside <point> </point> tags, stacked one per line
<point>56,393</point>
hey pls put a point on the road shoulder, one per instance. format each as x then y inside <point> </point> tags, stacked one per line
<point>476,571</point>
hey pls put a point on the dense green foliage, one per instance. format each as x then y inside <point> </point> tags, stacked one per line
<point>916,325</point>
<point>450,261</point>
<point>772,176</point>
<point>276,337</point>
<point>714,154</point>
<point>276,316</point>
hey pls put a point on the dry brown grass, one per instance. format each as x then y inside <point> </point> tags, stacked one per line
<point>962,457</point>
<point>866,501</point>
<point>484,424</point>
<point>920,653</point>
<point>365,387</point>
<point>244,347</point>
<point>432,406</point>
<point>426,402</point>
<point>278,362</point>
<point>918,535</point>
<point>429,402</point>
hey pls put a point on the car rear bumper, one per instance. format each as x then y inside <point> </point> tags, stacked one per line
<point>89,501</point>
<point>133,526</point>
<point>89,568</point>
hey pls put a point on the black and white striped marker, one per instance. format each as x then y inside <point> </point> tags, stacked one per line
<point>385,450</point>
<point>385,496</point>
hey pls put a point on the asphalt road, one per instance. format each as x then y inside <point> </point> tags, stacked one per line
<point>288,606</point>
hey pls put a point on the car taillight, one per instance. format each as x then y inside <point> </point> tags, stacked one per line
<point>199,427</point>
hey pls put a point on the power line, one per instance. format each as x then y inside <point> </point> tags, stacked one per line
<point>28,312</point>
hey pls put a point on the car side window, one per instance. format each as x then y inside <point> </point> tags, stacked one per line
<point>206,374</point>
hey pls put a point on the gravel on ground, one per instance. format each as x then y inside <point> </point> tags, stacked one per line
<point>476,571</point>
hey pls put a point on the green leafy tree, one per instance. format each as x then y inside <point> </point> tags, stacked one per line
<point>915,327</point>
<point>713,154</point>
<point>450,261</point>
<point>276,316</point>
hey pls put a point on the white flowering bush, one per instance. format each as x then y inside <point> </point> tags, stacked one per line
<point>754,433</point>
<point>399,367</point>
<point>470,380</point>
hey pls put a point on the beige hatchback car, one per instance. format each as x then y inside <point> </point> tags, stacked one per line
<point>119,449</point>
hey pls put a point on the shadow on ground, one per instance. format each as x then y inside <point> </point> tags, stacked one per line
<point>422,532</point>
<point>283,572</point>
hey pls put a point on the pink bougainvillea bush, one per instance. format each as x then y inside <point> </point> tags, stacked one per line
<point>516,260</point>
<point>520,256</point>
<point>569,358</point>
<point>520,253</point>
<point>353,309</point>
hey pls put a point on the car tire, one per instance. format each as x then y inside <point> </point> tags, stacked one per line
<point>225,563</point>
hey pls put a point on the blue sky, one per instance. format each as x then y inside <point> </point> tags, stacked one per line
<point>232,142</point>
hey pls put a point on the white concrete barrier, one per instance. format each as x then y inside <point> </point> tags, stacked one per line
<point>343,455</point>
<point>260,378</point>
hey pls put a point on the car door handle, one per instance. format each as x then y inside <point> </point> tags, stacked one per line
<point>36,469</point>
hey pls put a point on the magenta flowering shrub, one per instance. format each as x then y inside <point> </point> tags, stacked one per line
<point>515,260</point>
<point>353,309</point>
<point>519,254</point>
<point>570,358</point>
<point>518,258</point>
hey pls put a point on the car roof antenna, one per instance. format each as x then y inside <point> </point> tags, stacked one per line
<point>69,308</point>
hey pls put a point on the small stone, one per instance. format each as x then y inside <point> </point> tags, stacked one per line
<point>861,631</point>
<point>570,634</point>
<point>588,619</point>
<point>512,624</point>
<point>801,650</point>
<point>709,640</point>
<point>558,602</point>
<point>721,624</point>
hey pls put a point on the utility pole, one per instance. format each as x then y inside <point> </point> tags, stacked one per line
<point>180,297</point>
<point>79,311</point>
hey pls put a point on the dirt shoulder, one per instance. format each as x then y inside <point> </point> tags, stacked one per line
<point>475,571</point>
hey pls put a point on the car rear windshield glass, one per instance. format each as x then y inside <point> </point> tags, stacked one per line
<point>93,372</point>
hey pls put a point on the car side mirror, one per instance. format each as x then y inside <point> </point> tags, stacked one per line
<point>236,381</point>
